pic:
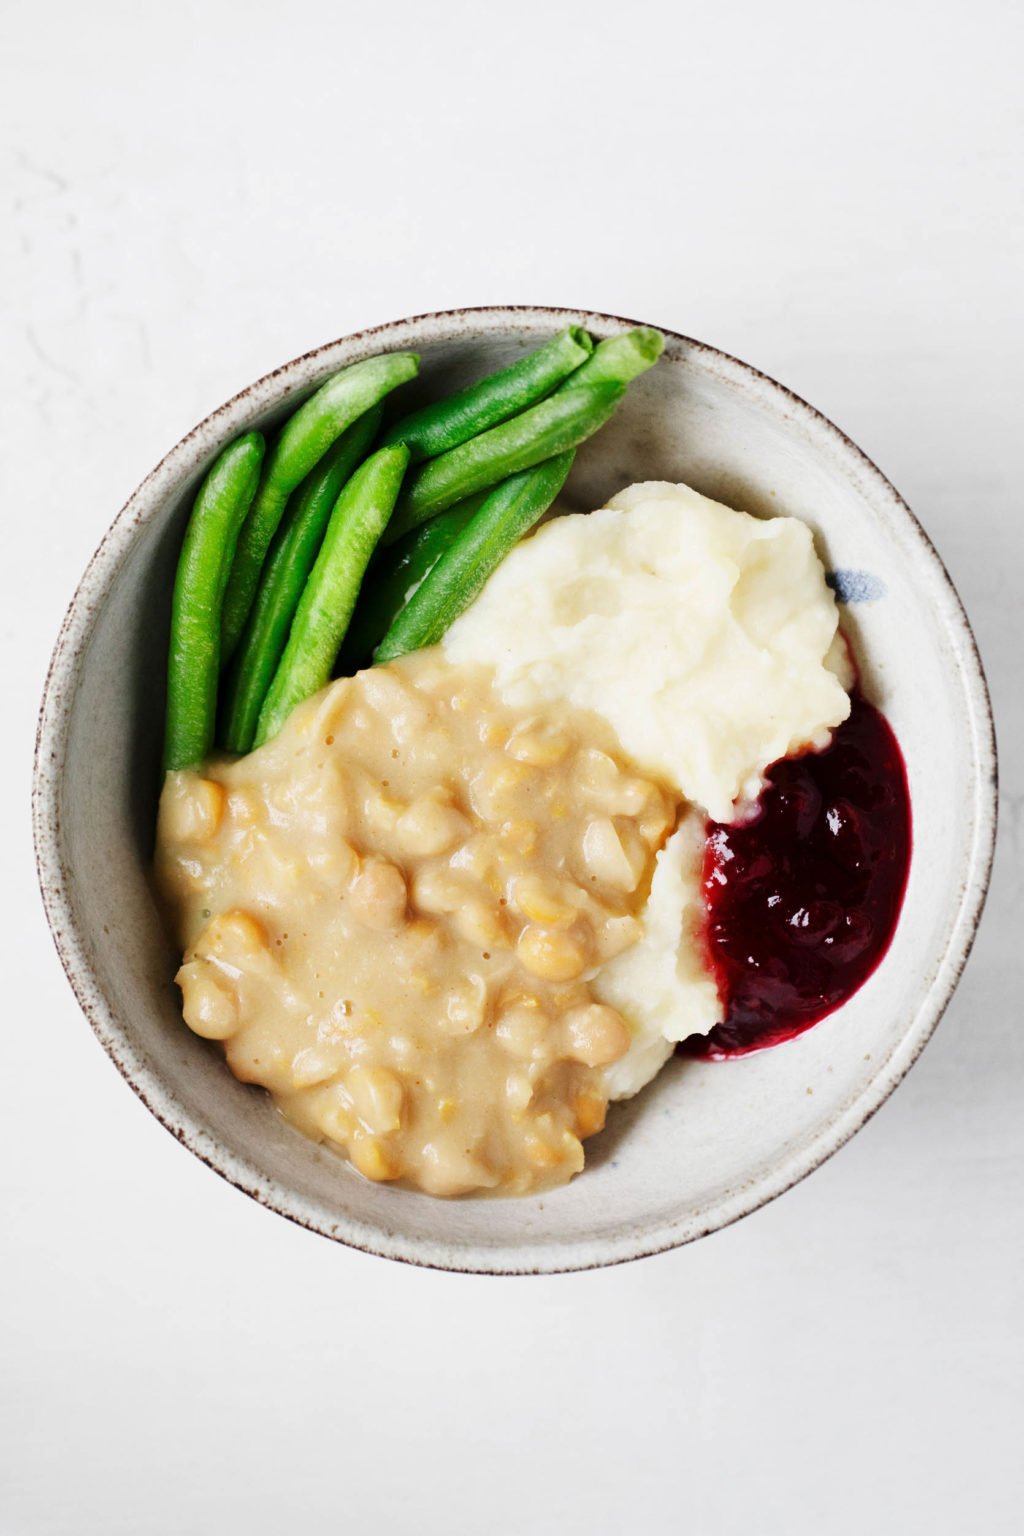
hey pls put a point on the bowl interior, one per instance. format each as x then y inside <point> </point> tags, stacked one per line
<point>706,1142</point>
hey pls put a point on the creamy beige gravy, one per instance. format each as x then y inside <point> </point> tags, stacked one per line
<point>392,912</point>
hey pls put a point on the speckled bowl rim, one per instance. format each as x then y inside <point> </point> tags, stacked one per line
<point>51,741</point>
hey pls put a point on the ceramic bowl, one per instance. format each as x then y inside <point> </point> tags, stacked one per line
<point>706,1143</point>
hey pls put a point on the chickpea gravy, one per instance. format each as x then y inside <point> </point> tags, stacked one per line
<point>393,912</point>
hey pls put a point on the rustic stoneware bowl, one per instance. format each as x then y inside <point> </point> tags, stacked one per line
<point>707,1142</point>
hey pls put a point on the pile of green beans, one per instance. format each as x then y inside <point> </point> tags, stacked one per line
<point>455,579</point>
<point>303,441</point>
<point>289,561</point>
<point>206,555</point>
<point>390,586</point>
<point>447,423</point>
<point>344,539</point>
<point>357,522</point>
<point>568,418</point>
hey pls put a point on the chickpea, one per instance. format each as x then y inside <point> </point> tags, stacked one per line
<point>330,710</point>
<point>245,808</point>
<point>613,853</point>
<point>430,826</point>
<point>234,933</point>
<point>402,1050</point>
<point>312,1067</point>
<point>372,1159</point>
<point>378,895</point>
<point>518,1093</point>
<point>522,1032</point>
<point>332,792</point>
<point>382,811</point>
<point>520,837</point>
<point>335,861</point>
<point>601,781</point>
<point>474,858</point>
<point>542,901</point>
<point>552,956</point>
<point>481,923</point>
<point>495,789</point>
<point>656,816</point>
<point>542,745</point>
<point>433,674</point>
<point>436,890</point>
<point>377,1098</point>
<point>255,1057</point>
<point>324,788</point>
<point>191,809</point>
<point>596,1035</point>
<point>448,1169</point>
<point>402,707</point>
<point>590,1112</point>
<point>209,1006</point>
<point>594,772</point>
<point>572,1152</point>
<point>466,1006</point>
<point>540,1152</point>
<point>631,796</point>
<point>330,1109</point>
<point>324,1109</point>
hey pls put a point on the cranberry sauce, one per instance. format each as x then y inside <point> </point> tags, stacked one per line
<point>802,900</point>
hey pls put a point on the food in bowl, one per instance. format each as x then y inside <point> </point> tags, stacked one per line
<point>454,904</point>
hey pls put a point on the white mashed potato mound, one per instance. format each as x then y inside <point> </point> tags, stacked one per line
<point>699,633</point>
<point>707,639</point>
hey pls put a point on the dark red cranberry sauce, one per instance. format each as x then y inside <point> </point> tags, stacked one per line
<point>803,899</point>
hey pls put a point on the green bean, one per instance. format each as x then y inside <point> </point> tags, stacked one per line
<point>206,553</point>
<point>619,358</point>
<point>510,510</point>
<point>289,562</point>
<point>561,422</point>
<point>302,442</point>
<point>359,518</point>
<point>393,576</point>
<point>446,423</point>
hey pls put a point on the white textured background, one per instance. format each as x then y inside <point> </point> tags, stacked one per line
<point>193,193</point>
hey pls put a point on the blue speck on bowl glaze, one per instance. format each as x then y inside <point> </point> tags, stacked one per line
<point>856,586</point>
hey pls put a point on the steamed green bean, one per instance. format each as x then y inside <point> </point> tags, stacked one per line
<point>302,442</point>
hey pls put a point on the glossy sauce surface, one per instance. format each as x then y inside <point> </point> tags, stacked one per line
<point>393,913</point>
<point>803,899</point>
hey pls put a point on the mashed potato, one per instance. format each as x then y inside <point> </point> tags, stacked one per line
<point>699,633</point>
<point>705,637</point>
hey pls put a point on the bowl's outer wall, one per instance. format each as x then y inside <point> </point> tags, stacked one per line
<point>706,1143</point>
